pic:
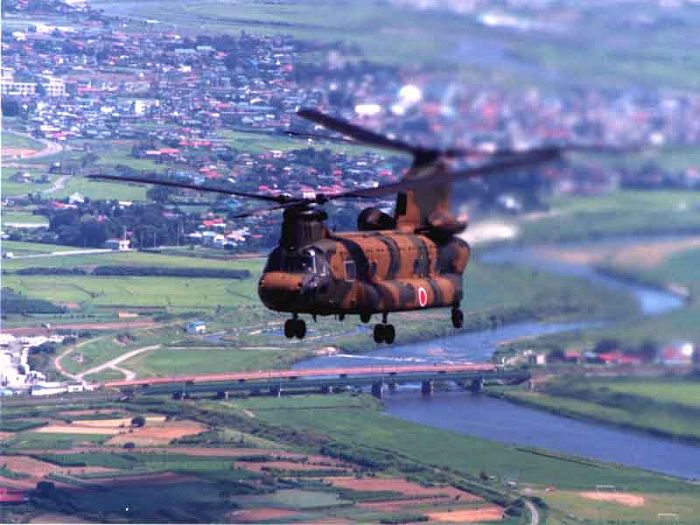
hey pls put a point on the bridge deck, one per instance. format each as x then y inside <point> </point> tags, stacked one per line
<point>311,378</point>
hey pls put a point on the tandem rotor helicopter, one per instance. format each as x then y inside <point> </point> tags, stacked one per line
<point>412,260</point>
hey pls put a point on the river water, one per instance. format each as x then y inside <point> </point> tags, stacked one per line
<point>500,420</point>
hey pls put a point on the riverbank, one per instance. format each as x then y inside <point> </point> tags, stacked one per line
<point>666,420</point>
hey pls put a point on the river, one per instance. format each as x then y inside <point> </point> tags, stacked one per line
<point>500,420</point>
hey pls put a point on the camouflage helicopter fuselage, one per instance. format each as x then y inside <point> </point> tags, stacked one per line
<point>365,273</point>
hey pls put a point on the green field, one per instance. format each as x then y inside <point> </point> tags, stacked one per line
<point>10,217</point>
<point>184,361</point>
<point>262,142</point>
<point>31,248</point>
<point>10,187</point>
<point>101,189</point>
<point>657,508</point>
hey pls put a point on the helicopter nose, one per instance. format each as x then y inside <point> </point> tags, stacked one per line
<point>278,289</point>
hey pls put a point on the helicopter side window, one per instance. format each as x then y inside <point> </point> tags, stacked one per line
<point>350,271</point>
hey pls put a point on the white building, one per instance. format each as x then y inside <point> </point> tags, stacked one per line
<point>196,327</point>
<point>120,245</point>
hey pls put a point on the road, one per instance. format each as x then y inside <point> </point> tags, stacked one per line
<point>66,253</point>
<point>58,184</point>
<point>534,513</point>
<point>57,362</point>
<point>116,361</point>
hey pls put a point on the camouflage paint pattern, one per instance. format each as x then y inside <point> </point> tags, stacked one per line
<point>371,272</point>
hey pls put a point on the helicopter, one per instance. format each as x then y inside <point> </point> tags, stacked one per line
<point>411,260</point>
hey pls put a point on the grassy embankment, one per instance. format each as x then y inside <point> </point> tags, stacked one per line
<point>660,406</point>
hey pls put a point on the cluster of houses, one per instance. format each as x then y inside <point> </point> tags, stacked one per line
<point>16,376</point>
<point>676,354</point>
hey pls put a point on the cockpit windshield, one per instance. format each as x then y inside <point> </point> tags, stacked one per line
<point>307,261</point>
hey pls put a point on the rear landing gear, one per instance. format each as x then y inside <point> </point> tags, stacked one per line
<point>457,317</point>
<point>384,333</point>
<point>294,328</point>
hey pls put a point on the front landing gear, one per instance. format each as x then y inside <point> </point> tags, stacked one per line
<point>457,317</point>
<point>294,328</point>
<point>384,332</point>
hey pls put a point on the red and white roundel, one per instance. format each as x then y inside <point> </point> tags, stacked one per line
<point>422,296</point>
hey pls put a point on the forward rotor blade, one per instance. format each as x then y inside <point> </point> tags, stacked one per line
<point>449,176</point>
<point>185,185</point>
<point>318,136</point>
<point>262,211</point>
<point>356,132</point>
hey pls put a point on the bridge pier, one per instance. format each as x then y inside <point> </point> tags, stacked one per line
<point>222,395</point>
<point>378,389</point>
<point>477,385</point>
<point>426,388</point>
<point>276,391</point>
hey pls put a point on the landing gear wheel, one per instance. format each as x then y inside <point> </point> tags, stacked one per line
<point>457,318</point>
<point>299,328</point>
<point>389,333</point>
<point>365,317</point>
<point>289,328</point>
<point>379,333</point>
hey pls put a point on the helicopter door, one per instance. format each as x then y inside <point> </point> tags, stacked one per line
<point>350,271</point>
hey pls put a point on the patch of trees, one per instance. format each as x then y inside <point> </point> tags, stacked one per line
<point>41,357</point>
<point>161,271</point>
<point>12,302</point>
<point>140,271</point>
<point>93,222</point>
<point>38,270</point>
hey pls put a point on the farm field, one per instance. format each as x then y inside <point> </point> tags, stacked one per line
<point>622,213</point>
<point>222,472</point>
<point>685,393</point>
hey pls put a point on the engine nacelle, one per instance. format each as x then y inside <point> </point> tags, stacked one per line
<point>372,219</point>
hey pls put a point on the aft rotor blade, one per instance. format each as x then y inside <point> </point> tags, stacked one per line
<point>356,132</point>
<point>449,176</point>
<point>185,185</point>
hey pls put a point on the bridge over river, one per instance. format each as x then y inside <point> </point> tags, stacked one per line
<point>325,380</point>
